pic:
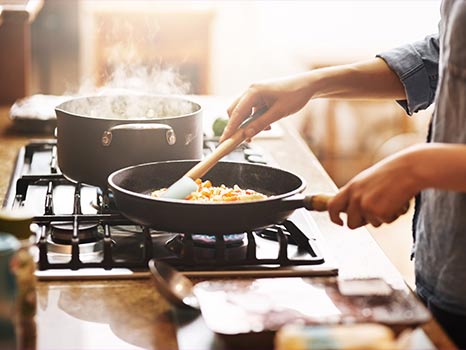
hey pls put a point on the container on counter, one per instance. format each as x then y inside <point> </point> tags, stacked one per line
<point>17,281</point>
<point>364,336</point>
<point>9,246</point>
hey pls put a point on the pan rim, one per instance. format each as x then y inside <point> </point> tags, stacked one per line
<point>112,185</point>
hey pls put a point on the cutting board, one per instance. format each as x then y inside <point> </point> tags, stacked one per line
<point>233,307</point>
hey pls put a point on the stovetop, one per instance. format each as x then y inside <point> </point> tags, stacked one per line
<point>80,234</point>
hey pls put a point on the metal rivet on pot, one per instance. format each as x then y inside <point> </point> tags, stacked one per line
<point>171,137</point>
<point>107,138</point>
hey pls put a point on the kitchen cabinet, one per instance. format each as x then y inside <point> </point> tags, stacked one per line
<point>15,43</point>
<point>97,314</point>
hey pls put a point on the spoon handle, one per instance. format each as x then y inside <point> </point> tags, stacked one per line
<point>201,168</point>
<point>227,146</point>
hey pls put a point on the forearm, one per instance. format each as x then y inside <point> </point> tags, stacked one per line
<point>438,165</point>
<point>371,79</point>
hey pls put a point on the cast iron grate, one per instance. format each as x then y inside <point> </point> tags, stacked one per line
<point>36,166</point>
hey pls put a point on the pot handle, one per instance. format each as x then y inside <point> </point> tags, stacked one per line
<point>170,136</point>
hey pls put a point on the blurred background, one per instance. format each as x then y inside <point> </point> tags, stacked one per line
<point>220,47</point>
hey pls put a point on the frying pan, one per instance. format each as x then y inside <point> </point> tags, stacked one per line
<point>132,186</point>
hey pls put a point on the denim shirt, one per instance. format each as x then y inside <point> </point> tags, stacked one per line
<point>434,70</point>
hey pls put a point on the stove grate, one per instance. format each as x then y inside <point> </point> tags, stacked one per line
<point>36,167</point>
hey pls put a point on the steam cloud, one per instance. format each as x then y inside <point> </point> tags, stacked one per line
<point>129,78</point>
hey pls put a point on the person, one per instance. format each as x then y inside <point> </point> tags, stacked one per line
<point>416,75</point>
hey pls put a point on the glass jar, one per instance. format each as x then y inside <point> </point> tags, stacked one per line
<point>19,271</point>
<point>9,245</point>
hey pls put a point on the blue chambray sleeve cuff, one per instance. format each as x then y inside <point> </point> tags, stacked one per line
<point>417,67</point>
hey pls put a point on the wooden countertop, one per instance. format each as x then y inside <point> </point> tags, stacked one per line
<point>131,314</point>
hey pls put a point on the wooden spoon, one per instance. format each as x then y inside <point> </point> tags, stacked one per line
<point>186,185</point>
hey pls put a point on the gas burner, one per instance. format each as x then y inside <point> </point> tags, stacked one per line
<point>62,233</point>
<point>232,240</point>
<point>205,247</point>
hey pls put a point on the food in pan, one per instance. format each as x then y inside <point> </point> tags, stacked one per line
<point>206,192</point>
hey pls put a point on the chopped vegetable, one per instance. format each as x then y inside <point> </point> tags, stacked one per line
<point>219,125</point>
<point>206,192</point>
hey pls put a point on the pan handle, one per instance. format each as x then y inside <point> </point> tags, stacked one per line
<point>314,202</point>
<point>132,127</point>
<point>317,202</point>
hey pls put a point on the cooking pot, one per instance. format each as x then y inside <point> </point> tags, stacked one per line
<point>97,135</point>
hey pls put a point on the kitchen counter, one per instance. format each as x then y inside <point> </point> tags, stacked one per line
<point>131,314</point>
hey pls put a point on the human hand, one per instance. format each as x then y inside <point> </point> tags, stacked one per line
<point>379,194</point>
<point>280,97</point>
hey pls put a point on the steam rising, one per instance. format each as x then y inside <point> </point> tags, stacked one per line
<point>129,106</point>
<point>154,80</point>
<point>130,74</point>
<point>134,92</point>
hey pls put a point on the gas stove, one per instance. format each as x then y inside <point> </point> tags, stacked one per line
<point>80,234</point>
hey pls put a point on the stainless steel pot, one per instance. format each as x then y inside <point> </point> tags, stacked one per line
<point>99,134</point>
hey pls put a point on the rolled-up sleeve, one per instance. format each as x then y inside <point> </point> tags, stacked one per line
<point>417,67</point>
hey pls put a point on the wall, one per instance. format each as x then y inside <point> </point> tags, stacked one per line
<point>246,41</point>
<point>255,40</point>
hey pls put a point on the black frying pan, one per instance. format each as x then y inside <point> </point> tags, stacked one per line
<point>132,186</point>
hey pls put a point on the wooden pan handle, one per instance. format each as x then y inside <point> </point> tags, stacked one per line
<point>317,202</point>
